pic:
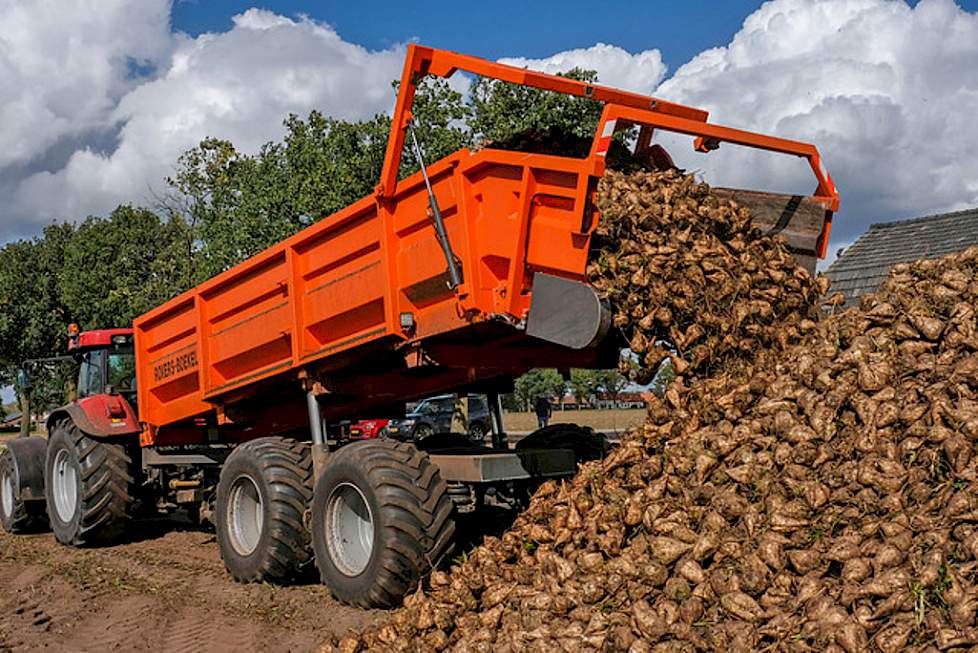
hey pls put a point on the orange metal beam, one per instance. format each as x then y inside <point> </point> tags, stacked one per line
<point>623,105</point>
<point>709,137</point>
<point>421,61</point>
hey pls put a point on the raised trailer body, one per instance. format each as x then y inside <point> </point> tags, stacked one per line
<point>358,308</point>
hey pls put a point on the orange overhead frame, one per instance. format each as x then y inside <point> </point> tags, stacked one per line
<point>621,108</point>
<point>372,275</point>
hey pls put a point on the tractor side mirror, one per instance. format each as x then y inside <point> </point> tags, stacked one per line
<point>23,380</point>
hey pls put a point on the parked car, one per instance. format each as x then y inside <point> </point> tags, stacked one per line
<point>367,429</point>
<point>434,415</point>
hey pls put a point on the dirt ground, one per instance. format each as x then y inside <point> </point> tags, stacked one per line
<point>165,590</point>
<point>618,419</point>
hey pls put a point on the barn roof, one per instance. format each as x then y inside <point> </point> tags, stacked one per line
<point>863,266</point>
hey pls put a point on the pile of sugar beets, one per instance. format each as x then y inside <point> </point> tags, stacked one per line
<point>805,484</point>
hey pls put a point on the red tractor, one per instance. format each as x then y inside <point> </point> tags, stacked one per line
<point>76,459</point>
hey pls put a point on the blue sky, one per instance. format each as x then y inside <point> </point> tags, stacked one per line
<point>502,28</point>
<point>532,29</point>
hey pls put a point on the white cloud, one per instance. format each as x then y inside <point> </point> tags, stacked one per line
<point>887,92</point>
<point>103,101</point>
<point>237,85</point>
<point>616,67</point>
<point>58,85</point>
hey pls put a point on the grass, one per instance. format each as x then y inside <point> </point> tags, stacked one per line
<point>617,419</point>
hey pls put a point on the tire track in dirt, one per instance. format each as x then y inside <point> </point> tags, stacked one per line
<point>123,625</point>
<point>196,633</point>
<point>164,590</point>
<point>33,617</point>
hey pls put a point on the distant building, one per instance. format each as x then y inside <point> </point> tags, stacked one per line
<point>11,422</point>
<point>863,266</point>
<point>604,400</point>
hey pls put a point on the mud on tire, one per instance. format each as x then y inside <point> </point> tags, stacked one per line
<point>89,486</point>
<point>381,521</point>
<point>264,491</point>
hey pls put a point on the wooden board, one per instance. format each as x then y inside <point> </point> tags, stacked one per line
<point>796,218</point>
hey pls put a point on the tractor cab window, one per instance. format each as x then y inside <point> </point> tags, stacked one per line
<point>91,380</point>
<point>122,371</point>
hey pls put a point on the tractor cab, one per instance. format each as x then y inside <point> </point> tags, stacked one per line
<point>107,364</point>
<point>104,403</point>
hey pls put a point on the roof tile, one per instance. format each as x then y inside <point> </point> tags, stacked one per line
<point>863,266</point>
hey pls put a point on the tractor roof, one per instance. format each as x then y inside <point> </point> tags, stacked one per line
<point>96,338</point>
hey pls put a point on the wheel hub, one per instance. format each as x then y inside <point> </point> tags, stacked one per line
<point>7,492</point>
<point>65,482</point>
<point>349,528</point>
<point>246,515</point>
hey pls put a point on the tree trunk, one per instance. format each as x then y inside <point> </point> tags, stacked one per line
<point>25,415</point>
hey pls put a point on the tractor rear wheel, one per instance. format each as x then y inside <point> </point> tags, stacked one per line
<point>89,486</point>
<point>262,496</point>
<point>381,521</point>
<point>18,515</point>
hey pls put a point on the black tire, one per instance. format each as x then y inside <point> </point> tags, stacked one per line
<point>585,443</point>
<point>274,477</point>
<point>413,529</point>
<point>449,442</point>
<point>104,482</point>
<point>477,431</point>
<point>422,431</point>
<point>16,515</point>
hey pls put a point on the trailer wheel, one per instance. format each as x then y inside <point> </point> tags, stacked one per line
<point>381,521</point>
<point>89,487</point>
<point>21,466</point>
<point>585,443</point>
<point>263,493</point>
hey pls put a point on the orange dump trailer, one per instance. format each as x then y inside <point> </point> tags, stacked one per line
<point>456,279</point>
<point>358,306</point>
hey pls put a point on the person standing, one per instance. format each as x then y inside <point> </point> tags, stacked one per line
<point>543,410</point>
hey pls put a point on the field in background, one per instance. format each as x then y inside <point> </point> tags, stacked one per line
<point>8,435</point>
<point>618,419</point>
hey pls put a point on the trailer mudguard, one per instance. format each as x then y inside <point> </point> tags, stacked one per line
<point>100,416</point>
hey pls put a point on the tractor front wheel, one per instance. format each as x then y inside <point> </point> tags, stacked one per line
<point>22,468</point>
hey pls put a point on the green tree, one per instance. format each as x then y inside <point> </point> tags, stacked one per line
<point>101,274</point>
<point>536,383</point>
<point>232,203</point>
<point>32,316</point>
<point>119,267</point>
<point>502,111</point>
<point>238,204</point>
<point>586,385</point>
<point>664,375</point>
